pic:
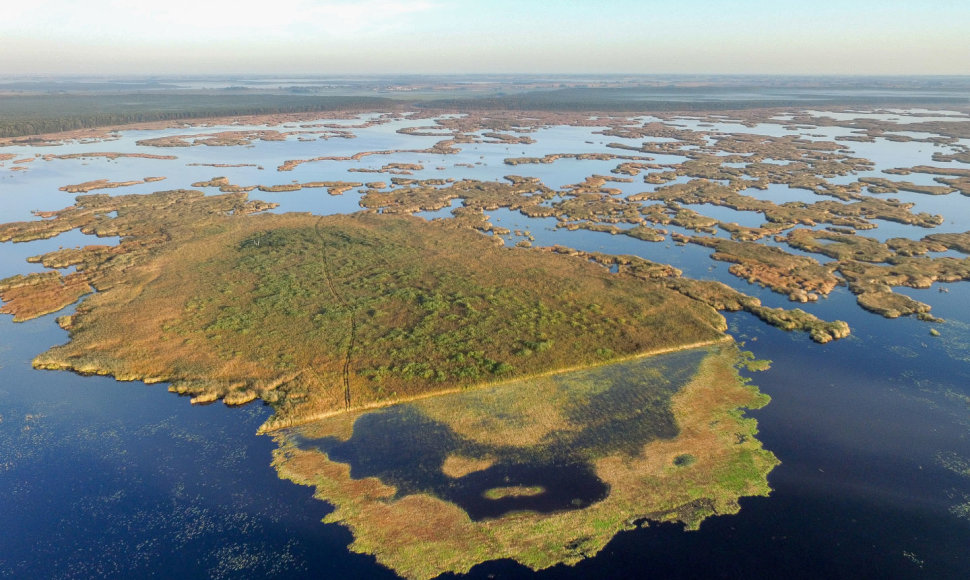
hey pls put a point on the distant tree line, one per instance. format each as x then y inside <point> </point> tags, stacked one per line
<point>36,114</point>
<point>674,99</point>
<point>23,115</point>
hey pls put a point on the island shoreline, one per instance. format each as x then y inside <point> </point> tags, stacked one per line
<point>376,405</point>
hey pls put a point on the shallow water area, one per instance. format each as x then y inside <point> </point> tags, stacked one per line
<point>899,116</point>
<point>14,258</point>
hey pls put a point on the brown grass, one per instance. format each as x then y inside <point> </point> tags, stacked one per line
<point>456,466</point>
<point>28,297</point>
<point>226,305</point>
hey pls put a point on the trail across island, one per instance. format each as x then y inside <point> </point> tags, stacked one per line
<point>353,319</point>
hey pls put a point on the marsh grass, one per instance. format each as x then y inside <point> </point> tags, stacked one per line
<point>316,314</point>
<point>513,491</point>
<point>456,466</point>
<point>700,469</point>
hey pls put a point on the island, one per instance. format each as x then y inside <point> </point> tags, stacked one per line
<point>317,315</point>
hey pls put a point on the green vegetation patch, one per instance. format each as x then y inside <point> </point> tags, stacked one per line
<point>320,314</point>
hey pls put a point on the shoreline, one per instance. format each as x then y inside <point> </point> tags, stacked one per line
<point>266,428</point>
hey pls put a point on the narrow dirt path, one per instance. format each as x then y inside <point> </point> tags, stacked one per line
<point>353,319</point>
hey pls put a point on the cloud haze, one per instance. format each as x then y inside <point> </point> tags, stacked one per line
<point>464,36</point>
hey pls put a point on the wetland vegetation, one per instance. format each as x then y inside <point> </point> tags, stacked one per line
<point>463,391</point>
<point>554,466</point>
<point>316,315</point>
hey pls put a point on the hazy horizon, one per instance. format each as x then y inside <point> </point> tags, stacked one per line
<point>538,76</point>
<point>434,37</point>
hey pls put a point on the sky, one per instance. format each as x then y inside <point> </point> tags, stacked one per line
<point>869,37</point>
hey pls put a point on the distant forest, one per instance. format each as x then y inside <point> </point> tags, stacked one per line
<point>23,115</point>
<point>36,114</point>
<point>625,100</point>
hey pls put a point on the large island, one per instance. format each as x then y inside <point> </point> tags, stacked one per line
<point>336,321</point>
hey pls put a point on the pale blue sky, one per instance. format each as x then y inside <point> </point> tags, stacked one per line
<point>485,36</point>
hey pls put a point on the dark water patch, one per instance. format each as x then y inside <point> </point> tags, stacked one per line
<point>613,409</point>
<point>562,486</point>
<point>628,415</point>
<point>405,449</point>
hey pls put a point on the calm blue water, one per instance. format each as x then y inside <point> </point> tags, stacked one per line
<point>108,479</point>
